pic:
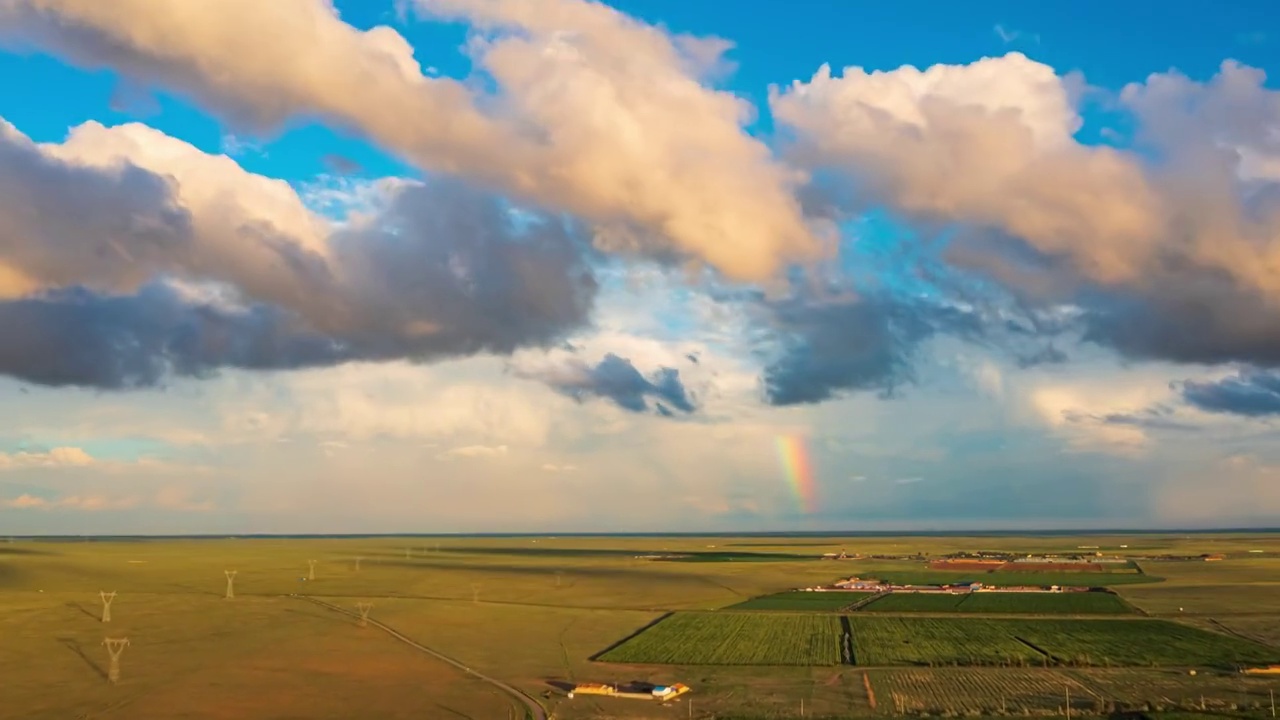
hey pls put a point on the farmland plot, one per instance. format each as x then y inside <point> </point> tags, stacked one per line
<point>802,601</point>
<point>735,639</point>
<point>979,690</point>
<point>1077,603</point>
<point>1082,643</point>
<point>916,602</point>
<point>937,641</point>
<point>1138,643</point>
<point>1022,603</point>
<point>1176,689</point>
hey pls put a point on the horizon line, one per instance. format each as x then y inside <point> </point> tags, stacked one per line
<point>686,534</point>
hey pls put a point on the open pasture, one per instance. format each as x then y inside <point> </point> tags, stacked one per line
<point>734,639</point>
<point>803,601</point>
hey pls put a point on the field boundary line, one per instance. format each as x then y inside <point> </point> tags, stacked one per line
<point>533,707</point>
<point>1243,636</point>
<point>632,636</point>
<point>854,607</point>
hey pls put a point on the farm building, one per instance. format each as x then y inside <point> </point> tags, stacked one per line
<point>634,691</point>
<point>854,583</point>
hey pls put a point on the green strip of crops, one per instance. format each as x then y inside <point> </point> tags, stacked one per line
<point>745,638</point>
<point>1086,643</point>
<point>1078,603</point>
<point>802,601</point>
<point>735,639</point>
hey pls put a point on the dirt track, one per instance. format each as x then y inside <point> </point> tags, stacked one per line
<point>533,708</point>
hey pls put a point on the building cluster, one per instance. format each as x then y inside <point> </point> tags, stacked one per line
<point>880,586</point>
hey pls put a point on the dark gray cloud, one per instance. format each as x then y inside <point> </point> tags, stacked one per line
<point>1186,317</point>
<point>1251,393</point>
<point>868,343</point>
<point>80,337</point>
<point>134,293</point>
<point>617,379</point>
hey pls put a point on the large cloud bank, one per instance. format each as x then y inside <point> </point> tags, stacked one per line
<point>128,255</point>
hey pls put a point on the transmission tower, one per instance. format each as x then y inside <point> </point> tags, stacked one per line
<point>115,648</point>
<point>231,583</point>
<point>107,597</point>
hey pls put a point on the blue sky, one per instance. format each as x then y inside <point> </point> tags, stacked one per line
<point>1001,265</point>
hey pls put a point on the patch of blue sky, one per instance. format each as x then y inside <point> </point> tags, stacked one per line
<point>44,97</point>
<point>306,151</point>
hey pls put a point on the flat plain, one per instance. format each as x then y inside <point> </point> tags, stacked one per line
<point>534,612</point>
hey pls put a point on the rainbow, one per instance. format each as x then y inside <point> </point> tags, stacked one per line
<point>794,456</point>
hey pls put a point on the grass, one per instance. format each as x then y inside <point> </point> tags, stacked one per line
<point>802,601</point>
<point>735,639</point>
<point>1088,603</point>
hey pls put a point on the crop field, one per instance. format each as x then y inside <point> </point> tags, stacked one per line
<point>734,639</point>
<point>1174,689</point>
<point>1085,643</point>
<point>1079,603</point>
<point>1139,642</point>
<point>937,641</point>
<point>818,640</point>
<point>803,601</point>
<point>916,602</point>
<point>979,690</point>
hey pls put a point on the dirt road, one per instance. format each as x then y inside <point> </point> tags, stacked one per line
<point>533,709</point>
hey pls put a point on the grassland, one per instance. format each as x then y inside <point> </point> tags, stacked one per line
<point>529,611</point>
<point>802,601</point>
<point>735,639</point>
<point>1087,603</point>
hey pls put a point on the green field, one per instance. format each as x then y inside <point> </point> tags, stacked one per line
<point>966,641</point>
<point>802,601</point>
<point>916,602</point>
<point>1087,603</point>
<point>789,639</point>
<point>735,639</point>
